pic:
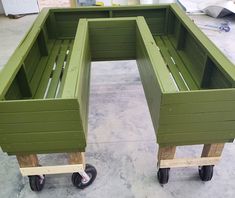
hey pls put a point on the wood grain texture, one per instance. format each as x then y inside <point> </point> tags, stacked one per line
<point>166,153</point>
<point>212,150</point>
<point>27,160</point>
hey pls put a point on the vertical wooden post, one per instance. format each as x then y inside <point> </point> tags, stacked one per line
<point>23,82</point>
<point>77,158</point>
<point>166,20</point>
<point>181,37</point>
<point>27,160</point>
<point>42,42</point>
<point>110,14</point>
<point>166,153</point>
<point>208,68</point>
<point>212,150</point>
<point>53,26</point>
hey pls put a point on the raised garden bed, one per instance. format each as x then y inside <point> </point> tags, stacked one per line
<point>44,87</point>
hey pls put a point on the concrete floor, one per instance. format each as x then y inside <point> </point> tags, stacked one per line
<point>121,141</point>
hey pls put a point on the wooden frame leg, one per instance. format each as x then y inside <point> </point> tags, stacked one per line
<point>27,160</point>
<point>212,150</point>
<point>166,153</point>
<point>77,158</point>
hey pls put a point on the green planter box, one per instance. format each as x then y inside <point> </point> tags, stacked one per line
<point>44,87</point>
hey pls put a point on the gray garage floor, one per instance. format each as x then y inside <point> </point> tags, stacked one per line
<point>121,140</point>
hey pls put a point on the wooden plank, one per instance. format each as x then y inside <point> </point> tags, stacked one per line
<point>188,138</point>
<point>113,55</point>
<point>105,31</point>
<point>65,70</point>
<point>14,92</point>
<point>43,47</point>
<point>166,21</point>
<point>181,37</point>
<point>31,61</point>
<point>47,72</point>
<point>48,170</point>
<point>107,8</point>
<point>27,160</point>
<point>186,75</point>
<point>23,83</point>
<point>195,72</point>
<point>34,83</point>
<point>213,77</point>
<point>149,80</point>
<point>40,136</point>
<point>77,158</point>
<point>39,105</point>
<point>188,162</point>
<point>200,107</point>
<point>165,153</point>
<point>76,57</point>
<point>196,127</point>
<point>53,25</point>
<point>45,147</point>
<point>203,117</point>
<point>57,72</point>
<point>83,84</point>
<point>198,96</point>
<point>172,67</point>
<point>212,150</point>
<point>39,116</point>
<point>112,39</point>
<point>42,127</point>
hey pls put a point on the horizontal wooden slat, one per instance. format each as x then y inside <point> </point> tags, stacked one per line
<point>44,147</point>
<point>38,105</point>
<point>47,170</point>
<point>58,70</point>
<point>194,138</point>
<point>200,107</point>
<point>186,75</point>
<point>41,137</point>
<point>197,118</point>
<point>187,162</point>
<point>47,72</point>
<point>199,96</point>
<point>65,70</point>
<point>38,74</point>
<point>110,8</point>
<point>197,127</point>
<point>39,116</point>
<point>35,127</point>
<point>172,67</point>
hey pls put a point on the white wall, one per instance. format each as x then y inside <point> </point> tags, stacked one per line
<point>1,8</point>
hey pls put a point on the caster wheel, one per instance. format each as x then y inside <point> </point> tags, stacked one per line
<point>79,182</point>
<point>163,175</point>
<point>36,182</point>
<point>206,172</point>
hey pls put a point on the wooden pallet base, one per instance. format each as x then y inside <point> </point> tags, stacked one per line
<point>29,165</point>
<point>210,156</point>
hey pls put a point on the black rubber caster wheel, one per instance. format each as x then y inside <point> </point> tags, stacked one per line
<point>36,182</point>
<point>206,172</point>
<point>79,182</point>
<point>163,175</point>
